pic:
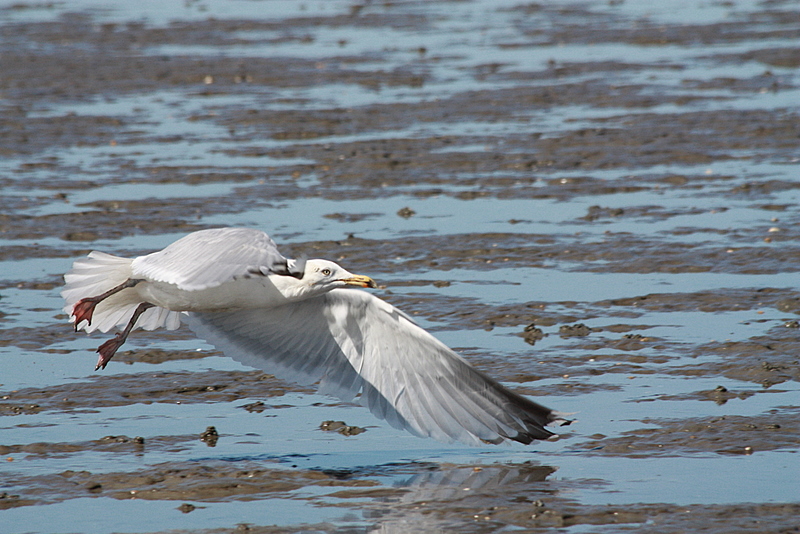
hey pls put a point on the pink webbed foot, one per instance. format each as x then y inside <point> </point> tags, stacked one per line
<point>83,310</point>
<point>108,349</point>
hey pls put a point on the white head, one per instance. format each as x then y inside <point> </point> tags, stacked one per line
<point>320,276</point>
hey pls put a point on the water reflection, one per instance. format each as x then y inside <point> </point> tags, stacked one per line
<point>474,490</point>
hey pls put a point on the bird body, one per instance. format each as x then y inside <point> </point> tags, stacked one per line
<point>302,321</point>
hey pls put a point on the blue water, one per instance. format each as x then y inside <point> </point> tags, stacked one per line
<point>465,36</point>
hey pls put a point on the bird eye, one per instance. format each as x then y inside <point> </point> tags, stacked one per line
<point>326,272</point>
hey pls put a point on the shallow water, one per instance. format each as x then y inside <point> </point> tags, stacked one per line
<point>497,166</point>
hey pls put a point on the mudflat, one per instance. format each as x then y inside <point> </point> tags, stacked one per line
<point>595,204</point>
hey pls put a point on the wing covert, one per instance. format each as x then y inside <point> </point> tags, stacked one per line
<point>209,258</point>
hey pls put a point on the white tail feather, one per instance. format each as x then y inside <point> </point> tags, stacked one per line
<point>96,274</point>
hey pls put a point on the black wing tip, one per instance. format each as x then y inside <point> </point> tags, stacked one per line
<point>296,267</point>
<point>559,418</point>
<point>534,434</point>
<point>535,431</point>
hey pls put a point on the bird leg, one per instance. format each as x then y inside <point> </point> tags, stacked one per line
<point>110,347</point>
<point>84,308</point>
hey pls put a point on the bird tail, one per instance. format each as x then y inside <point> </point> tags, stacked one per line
<point>99,272</point>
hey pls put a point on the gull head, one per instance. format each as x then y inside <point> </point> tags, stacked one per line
<point>321,276</point>
<point>324,274</point>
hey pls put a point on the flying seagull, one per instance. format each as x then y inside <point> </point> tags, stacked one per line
<point>302,321</point>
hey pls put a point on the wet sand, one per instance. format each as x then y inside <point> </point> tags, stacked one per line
<point>638,170</point>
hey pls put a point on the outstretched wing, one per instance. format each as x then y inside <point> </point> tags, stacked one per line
<point>353,342</point>
<point>209,258</point>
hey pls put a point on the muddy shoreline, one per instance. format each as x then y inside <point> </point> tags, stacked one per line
<point>446,163</point>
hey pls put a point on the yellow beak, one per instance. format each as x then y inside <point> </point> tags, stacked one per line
<point>360,281</point>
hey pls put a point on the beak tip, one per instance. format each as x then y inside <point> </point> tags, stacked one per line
<point>361,281</point>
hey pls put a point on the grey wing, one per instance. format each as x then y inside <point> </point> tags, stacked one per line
<point>209,258</point>
<point>293,342</point>
<point>356,343</point>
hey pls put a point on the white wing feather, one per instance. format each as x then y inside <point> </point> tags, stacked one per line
<point>356,343</point>
<point>209,258</point>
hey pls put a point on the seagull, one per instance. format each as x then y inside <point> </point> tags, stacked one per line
<point>305,321</point>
